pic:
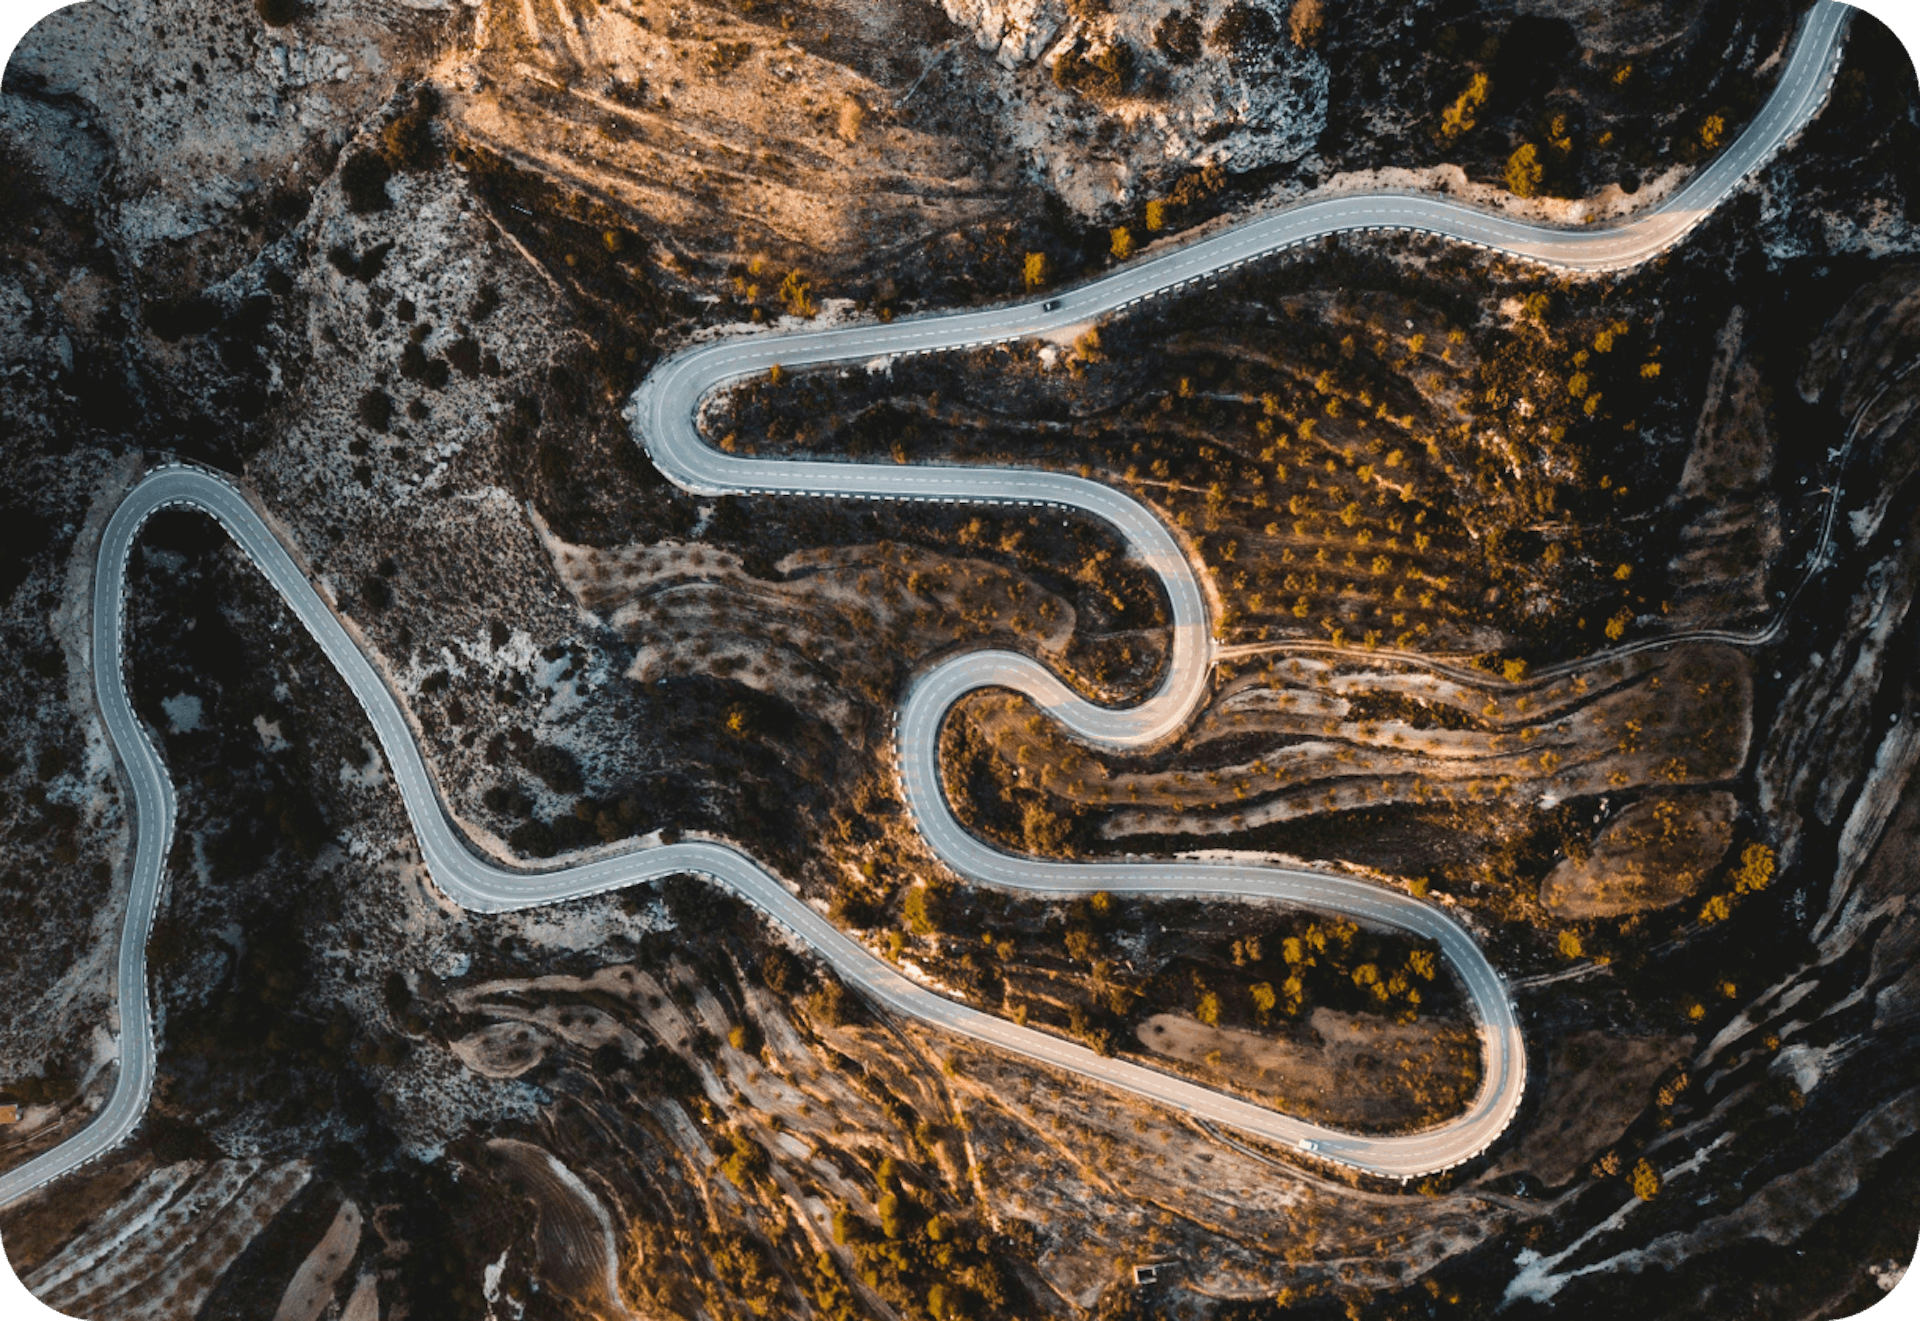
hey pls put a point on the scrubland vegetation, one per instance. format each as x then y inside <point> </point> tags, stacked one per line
<point>1427,513</point>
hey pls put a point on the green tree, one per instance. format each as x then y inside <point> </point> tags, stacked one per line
<point>1646,1181</point>
<point>1264,999</point>
<point>1756,869</point>
<point>1208,1009</point>
<point>922,910</point>
<point>363,179</point>
<point>1037,271</point>
<point>1525,171</point>
<point>1122,242</point>
<point>1305,22</point>
<point>1461,116</point>
<point>1046,832</point>
<point>408,140</point>
<point>853,117</point>
<point>797,293</point>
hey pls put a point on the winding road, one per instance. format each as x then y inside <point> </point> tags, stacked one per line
<point>665,412</point>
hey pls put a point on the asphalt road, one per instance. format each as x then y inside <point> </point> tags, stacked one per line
<point>665,411</point>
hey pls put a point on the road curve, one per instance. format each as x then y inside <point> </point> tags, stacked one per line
<point>665,414</point>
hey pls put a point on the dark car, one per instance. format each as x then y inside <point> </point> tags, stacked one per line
<point>1051,305</point>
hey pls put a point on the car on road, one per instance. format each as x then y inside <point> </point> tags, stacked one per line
<point>1051,305</point>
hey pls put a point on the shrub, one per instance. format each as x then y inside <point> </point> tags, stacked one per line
<point>796,293</point>
<point>1105,73</point>
<point>1045,831</point>
<point>747,1162</point>
<point>1756,869</point>
<point>556,768</point>
<point>1156,216</point>
<point>1178,38</point>
<point>413,362</point>
<point>783,973</point>
<point>507,799</point>
<point>833,1004</point>
<point>921,911</point>
<point>1464,113</point>
<point>368,268</point>
<point>853,117</point>
<point>1646,1181</point>
<point>376,410</point>
<point>1305,22</point>
<point>277,13</point>
<point>1524,171</point>
<point>408,140</point>
<point>1036,271</point>
<point>464,354</point>
<point>170,318</point>
<point>532,839</point>
<point>1122,240</point>
<point>364,181</point>
<point>1244,30</point>
<point>1208,1009</point>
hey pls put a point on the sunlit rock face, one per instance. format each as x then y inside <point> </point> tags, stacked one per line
<point>1016,31</point>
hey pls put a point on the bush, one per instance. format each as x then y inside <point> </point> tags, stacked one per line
<point>369,266</point>
<point>1305,21</point>
<point>1106,73</point>
<point>1178,37</point>
<point>556,768</point>
<point>1244,31</point>
<point>1464,113</point>
<point>570,833</point>
<point>853,117</point>
<point>796,293</point>
<point>1646,1181</point>
<point>1524,171</point>
<point>364,181</point>
<point>277,13</point>
<point>464,354</point>
<point>506,799</point>
<point>834,1004</point>
<point>747,1162</point>
<point>376,410</point>
<point>784,974</point>
<point>408,141</point>
<point>532,840</point>
<point>170,318</point>
<point>922,908</point>
<point>413,361</point>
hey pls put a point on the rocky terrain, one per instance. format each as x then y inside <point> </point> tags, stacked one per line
<point>396,268</point>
